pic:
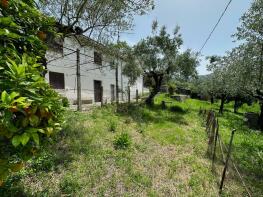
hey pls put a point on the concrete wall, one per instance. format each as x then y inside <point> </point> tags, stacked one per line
<point>67,65</point>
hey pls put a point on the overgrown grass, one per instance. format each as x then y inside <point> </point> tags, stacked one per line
<point>165,156</point>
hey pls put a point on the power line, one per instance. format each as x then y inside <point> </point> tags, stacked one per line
<point>209,36</point>
<point>61,57</point>
<point>79,53</point>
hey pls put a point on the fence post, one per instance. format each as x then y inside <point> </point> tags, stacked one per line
<point>216,136</point>
<point>227,159</point>
<point>129,94</point>
<point>137,96</point>
<point>79,101</point>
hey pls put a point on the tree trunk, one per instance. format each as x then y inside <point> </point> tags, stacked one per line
<point>149,100</point>
<point>157,86</point>
<point>223,99</point>
<point>236,105</point>
<point>212,100</point>
<point>260,119</point>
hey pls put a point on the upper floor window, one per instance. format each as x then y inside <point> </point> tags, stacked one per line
<point>97,58</point>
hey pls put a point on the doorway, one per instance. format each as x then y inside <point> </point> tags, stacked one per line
<point>97,91</point>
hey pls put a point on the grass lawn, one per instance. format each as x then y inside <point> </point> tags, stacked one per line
<point>165,154</point>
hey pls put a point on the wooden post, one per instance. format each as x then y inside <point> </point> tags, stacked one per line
<point>227,159</point>
<point>117,73</point>
<point>101,96</point>
<point>117,86</point>
<point>122,96</point>
<point>216,136</point>
<point>78,83</point>
<point>129,94</point>
<point>137,96</point>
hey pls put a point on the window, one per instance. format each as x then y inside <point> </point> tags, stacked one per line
<point>97,58</point>
<point>57,80</point>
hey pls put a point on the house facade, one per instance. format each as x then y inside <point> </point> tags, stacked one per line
<point>97,75</point>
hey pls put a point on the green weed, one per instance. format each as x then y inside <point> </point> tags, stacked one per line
<point>122,141</point>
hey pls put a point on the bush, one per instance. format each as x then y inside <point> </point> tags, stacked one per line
<point>65,102</point>
<point>30,112</point>
<point>122,141</point>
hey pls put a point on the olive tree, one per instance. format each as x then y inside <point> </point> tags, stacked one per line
<point>95,18</point>
<point>159,57</point>
<point>251,33</point>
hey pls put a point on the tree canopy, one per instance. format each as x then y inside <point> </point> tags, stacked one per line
<point>96,18</point>
<point>159,58</point>
<point>238,74</point>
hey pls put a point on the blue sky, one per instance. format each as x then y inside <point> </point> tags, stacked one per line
<point>196,19</point>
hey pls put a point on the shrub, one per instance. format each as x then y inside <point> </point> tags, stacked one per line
<point>30,112</point>
<point>122,141</point>
<point>65,102</point>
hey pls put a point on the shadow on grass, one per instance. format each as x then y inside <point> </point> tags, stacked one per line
<point>141,113</point>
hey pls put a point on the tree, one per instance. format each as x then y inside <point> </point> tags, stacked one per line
<point>96,18</point>
<point>251,32</point>
<point>220,81</point>
<point>125,53</point>
<point>30,110</point>
<point>159,57</point>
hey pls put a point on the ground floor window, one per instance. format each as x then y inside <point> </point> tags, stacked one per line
<point>57,80</point>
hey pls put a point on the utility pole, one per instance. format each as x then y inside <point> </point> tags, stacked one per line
<point>121,84</point>
<point>78,83</point>
<point>117,72</point>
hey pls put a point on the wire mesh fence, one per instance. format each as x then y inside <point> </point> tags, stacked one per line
<point>220,154</point>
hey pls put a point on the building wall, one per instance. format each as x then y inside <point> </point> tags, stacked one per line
<point>67,65</point>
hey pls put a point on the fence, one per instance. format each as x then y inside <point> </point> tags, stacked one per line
<point>215,143</point>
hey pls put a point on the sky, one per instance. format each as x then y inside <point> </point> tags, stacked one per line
<point>196,19</point>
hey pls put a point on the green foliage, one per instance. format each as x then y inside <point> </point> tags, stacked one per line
<point>98,18</point>
<point>239,73</point>
<point>130,69</point>
<point>23,30</point>
<point>160,59</point>
<point>122,141</point>
<point>172,149</point>
<point>171,88</point>
<point>65,102</point>
<point>30,111</point>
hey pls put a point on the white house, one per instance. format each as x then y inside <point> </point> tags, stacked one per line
<point>95,72</point>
